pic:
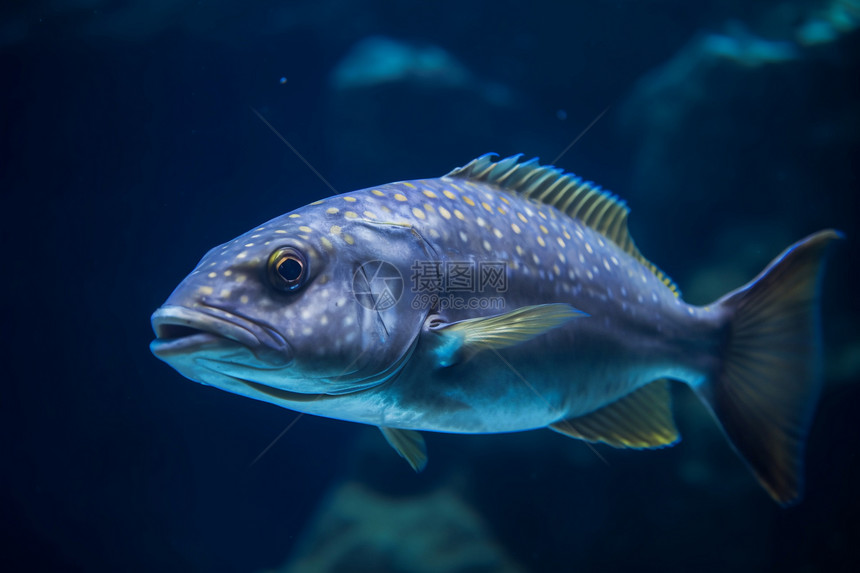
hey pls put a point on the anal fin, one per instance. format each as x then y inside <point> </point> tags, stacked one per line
<point>642,419</point>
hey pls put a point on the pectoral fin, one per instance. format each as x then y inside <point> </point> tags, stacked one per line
<point>642,419</point>
<point>461,340</point>
<point>409,444</point>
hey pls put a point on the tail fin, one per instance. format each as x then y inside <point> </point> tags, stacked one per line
<point>765,392</point>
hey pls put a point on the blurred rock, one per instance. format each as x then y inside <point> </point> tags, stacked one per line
<point>720,128</point>
<point>359,530</point>
<point>387,97</point>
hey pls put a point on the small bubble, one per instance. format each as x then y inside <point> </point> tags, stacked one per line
<point>282,81</point>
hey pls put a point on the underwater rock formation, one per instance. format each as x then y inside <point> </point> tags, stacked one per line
<point>359,530</point>
<point>720,128</point>
<point>397,92</point>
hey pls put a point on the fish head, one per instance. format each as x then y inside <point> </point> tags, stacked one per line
<point>304,304</point>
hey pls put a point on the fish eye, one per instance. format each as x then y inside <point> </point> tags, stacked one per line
<point>287,269</point>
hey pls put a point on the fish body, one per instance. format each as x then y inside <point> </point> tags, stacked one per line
<point>502,297</point>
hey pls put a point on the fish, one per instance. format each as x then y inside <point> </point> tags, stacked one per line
<point>504,296</point>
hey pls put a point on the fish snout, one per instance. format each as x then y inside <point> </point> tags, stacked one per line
<point>180,330</point>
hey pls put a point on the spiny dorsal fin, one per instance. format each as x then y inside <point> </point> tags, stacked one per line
<point>642,419</point>
<point>600,210</point>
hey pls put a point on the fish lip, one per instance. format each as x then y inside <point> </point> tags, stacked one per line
<point>173,322</point>
<point>179,329</point>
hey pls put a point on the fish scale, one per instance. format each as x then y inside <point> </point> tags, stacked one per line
<point>503,296</point>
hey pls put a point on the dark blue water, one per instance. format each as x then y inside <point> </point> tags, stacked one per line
<point>128,147</point>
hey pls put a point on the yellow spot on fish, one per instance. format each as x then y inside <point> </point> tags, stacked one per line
<point>448,194</point>
<point>378,193</point>
<point>244,299</point>
<point>497,233</point>
<point>350,214</point>
<point>326,243</point>
<point>459,215</point>
<point>224,293</point>
<point>418,213</point>
<point>281,232</point>
<point>468,201</point>
<point>542,214</point>
<point>614,261</point>
<point>606,264</point>
<point>323,320</point>
<point>455,188</point>
<point>566,235</point>
<point>430,194</point>
<point>556,270</point>
<point>410,185</point>
<point>520,250</point>
<point>588,248</point>
<point>369,215</point>
<point>241,278</point>
<point>228,273</point>
<point>318,202</point>
<point>505,200</point>
<point>249,244</point>
<point>334,230</point>
<point>445,212</point>
<point>305,229</point>
<point>349,240</point>
<point>293,216</point>
<point>400,196</point>
<point>385,208</point>
<point>544,229</point>
<point>428,207</point>
<point>540,241</point>
<point>242,255</point>
<point>502,211</point>
<point>480,221</point>
<point>487,245</point>
<point>212,275</point>
<point>516,228</point>
<point>522,218</point>
<point>486,206</point>
<point>205,290</point>
<point>332,210</point>
<point>536,259</point>
<point>434,233</point>
<point>464,237</point>
<point>349,199</point>
<point>561,257</point>
<point>560,241</point>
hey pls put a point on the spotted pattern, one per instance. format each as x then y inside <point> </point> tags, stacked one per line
<point>548,256</point>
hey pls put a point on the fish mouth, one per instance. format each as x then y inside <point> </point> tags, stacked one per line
<point>181,331</point>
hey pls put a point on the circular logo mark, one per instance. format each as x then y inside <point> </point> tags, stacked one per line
<point>377,285</point>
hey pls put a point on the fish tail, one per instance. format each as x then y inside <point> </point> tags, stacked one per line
<point>767,384</point>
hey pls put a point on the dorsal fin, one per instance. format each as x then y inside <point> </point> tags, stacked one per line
<point>600,210</point>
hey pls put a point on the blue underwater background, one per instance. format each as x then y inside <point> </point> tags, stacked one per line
<point>129,147</point>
